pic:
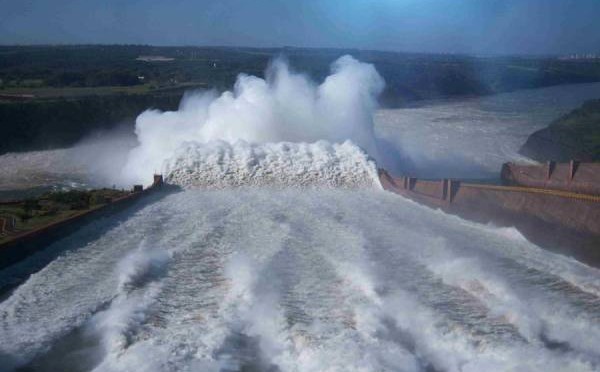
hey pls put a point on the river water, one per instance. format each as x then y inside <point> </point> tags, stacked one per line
<point>313,279</point>
<point>309,280</point>
<point>467,138</point>
<point>471,138</point>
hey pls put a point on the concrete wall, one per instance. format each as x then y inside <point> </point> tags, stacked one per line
<point>560,221</point>
<point>30,242</point>
<point>573,176</point>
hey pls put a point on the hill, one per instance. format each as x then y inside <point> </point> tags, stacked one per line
<point>573,136</point>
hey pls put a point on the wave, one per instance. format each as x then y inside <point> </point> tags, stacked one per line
<point>305,280</point>
<point>285,164</point>
<point>138,289</point>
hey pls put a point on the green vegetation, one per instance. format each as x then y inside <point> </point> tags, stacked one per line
<point>412,76</point>
<point>52,96</point>
<point>42,124</point>
<point>51,207</point>
<point>573,136</point>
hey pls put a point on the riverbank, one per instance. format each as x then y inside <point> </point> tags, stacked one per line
<point>19,239</point>
<point>575,135</point>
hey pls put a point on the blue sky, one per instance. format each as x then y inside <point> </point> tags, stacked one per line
<point>454,26</point>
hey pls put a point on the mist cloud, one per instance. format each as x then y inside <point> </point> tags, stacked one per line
<point>285,106</point>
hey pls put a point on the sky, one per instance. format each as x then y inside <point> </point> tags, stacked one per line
<point>437,26</point>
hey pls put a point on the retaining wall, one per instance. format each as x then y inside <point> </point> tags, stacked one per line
<point>562,221</point>
<point>573,176</point>
<point>29,242</point>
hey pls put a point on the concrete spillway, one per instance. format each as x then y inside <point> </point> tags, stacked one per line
<point>536,201</point>
<point>307,279</point>
<point>300,280</point>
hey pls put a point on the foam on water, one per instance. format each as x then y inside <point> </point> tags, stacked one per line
<point>138,289</point>
<point>285,106</point>
<point>220,165</point>
<point>436,138</point>
<point>306,280</point>
<point>289,279</point>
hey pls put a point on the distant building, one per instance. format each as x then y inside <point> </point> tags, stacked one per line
<point>154,59</point>
<point>580,57</point>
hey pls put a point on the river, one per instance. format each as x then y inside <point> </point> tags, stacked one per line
<point>316,279</point>
<point>471,138</point>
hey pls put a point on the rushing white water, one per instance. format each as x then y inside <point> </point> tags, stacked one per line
<point>459,138</point>
<point>285,106</point>
<point>302,280</point>
<point>220,165</point>
<point>339,276</point>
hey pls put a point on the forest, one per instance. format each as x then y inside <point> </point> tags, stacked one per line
<point>52,96</point>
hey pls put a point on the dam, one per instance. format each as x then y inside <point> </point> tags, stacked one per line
<point>301,280</point>
<point>281,255</point>
<point>554,205</point>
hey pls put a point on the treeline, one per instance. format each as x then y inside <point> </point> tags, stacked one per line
<point>444,78</point>
<point>409,76</point>
<point>49,124</point>
<point>93,78</point>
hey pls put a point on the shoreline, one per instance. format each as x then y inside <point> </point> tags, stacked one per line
<point>26,243</point>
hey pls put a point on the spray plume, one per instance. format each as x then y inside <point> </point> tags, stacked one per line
<point>284,107</point>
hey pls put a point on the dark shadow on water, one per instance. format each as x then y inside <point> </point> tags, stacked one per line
<point>78,351</point>
<point>82,349</point>
<point>560,346</point>
<point>393,333</point>
<point>8,362</point>
<point>242,353</point>
<point>89,231</point>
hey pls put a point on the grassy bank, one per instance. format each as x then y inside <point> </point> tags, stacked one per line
<point>31,214</point>
<point>573,136</point>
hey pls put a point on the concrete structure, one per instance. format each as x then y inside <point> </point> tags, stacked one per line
<point>29,242</point>
<point>573,176</point>
<point>7,224</point>
<point>558,217</point>
<point>559,220</point>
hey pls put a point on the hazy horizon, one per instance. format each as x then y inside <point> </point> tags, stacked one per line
<point>512,27</point>
<point>278,47</point>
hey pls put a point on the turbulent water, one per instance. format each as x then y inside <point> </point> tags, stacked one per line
<point>221,165</point>
<point>300,280</point>
<point>336,276</point>
<point>468,138</point>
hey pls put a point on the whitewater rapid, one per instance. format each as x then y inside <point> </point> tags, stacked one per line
<point>280,251</point>
<point>468,138</point>
<point>300,280</point>
<point>283,164</point>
